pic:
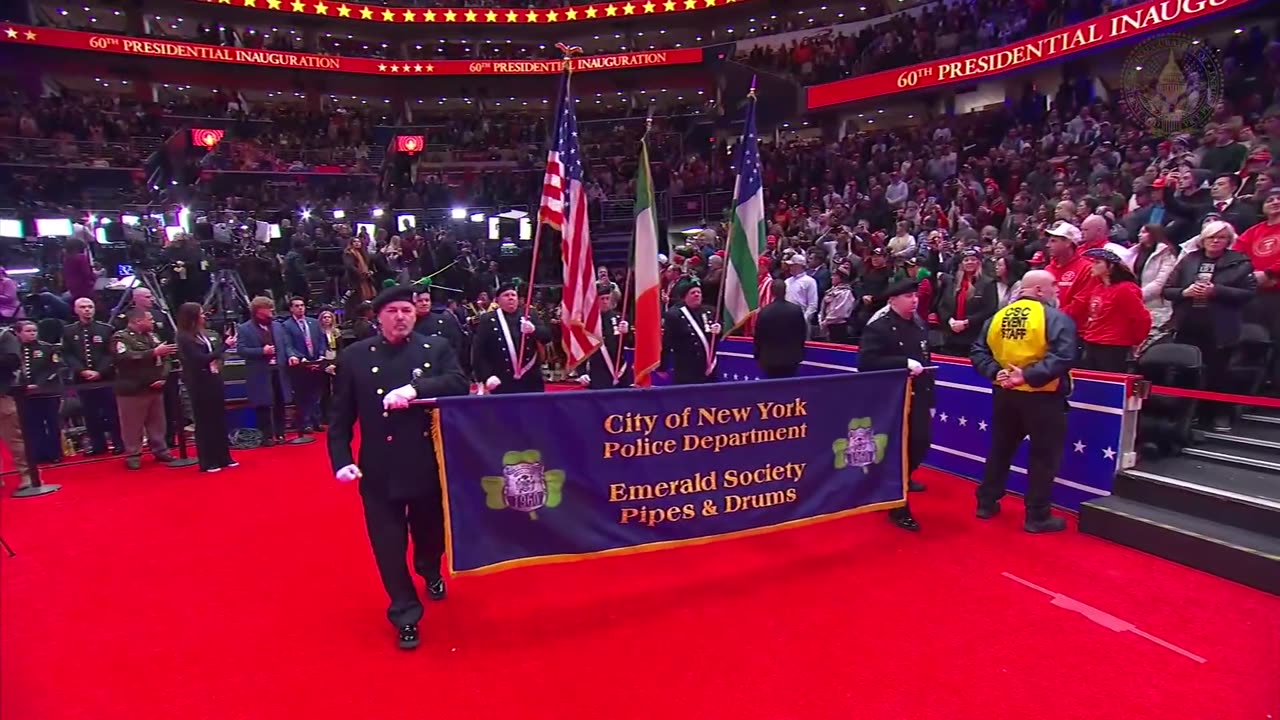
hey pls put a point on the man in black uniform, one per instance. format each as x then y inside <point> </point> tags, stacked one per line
<point>497,344</point>
<point>687,332</point>
<point>779,337</point>
<point>86,350</point>
<point>399,478</point>
<point>444,324</point>
<point>41,375</point>
<point>893,339</point>
<point>608,368</point>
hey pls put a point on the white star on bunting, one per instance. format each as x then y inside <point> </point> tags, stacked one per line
<point>963,421</point>
<point>982,425</point>
<point>1079,446</point>
<point>943,417</point>
<point>1109,454</point>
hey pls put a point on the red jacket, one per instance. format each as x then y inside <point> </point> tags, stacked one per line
<point>1113,314</point>
<point>1074,280</point>
<point>1262,244</point>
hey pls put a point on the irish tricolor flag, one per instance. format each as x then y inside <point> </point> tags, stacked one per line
<point>648,308</point>
<point>747,237</point>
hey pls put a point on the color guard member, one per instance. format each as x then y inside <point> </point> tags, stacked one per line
<point>86,351</point>
<point>687,333</point>
<point>41,375</point>
<point>399,478</point>
<point>608,367</point>
<point>497,343</point>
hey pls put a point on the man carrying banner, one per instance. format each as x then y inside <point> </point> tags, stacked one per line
<point>1027,350</point>
<point>496,344</point>
<point>896,338</point>
<point>687,332</point>
<point>607,368</point>
<point>399,479</point>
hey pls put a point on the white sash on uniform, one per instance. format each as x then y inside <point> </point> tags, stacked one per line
<point>702,338</point>
<point>511,348</point>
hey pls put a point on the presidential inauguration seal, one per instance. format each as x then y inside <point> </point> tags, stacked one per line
<point>1171,84</point>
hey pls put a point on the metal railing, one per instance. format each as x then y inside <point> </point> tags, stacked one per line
<point>130,153</point>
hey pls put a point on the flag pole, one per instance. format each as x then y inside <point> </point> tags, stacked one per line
<point>631,254</point>
<point>567,68</point>
<point>733,218</point>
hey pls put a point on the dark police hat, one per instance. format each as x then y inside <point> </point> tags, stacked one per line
<point>683,286</point>
<point>902,287</point>
<point>511,285</point>
<point>395,293</point>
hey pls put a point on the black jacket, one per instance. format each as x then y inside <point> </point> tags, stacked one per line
<point>397,452</point>
<point>41,366</point>
<point>597,366</point>
<point>87,347</point>
<point>1233,287</point>
<point>682,350</point>
<point>444,324</point>
<point>1063,345</point>
<point>780,334</point>
<point>983,302</point>
<point>491,357</point>
<point>889,341</point>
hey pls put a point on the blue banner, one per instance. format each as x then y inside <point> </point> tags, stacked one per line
<point>541,478</point>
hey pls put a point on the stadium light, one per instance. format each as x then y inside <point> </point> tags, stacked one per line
<point>339,214</point>
<point>477,217</point>
<point>458,213</point>
<point>377,212</point>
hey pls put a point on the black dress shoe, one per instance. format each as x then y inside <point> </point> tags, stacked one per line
<point>986,512</point>
<point>1047,525</point>
<point>913,486</point>
<point>408,639</point>
<point>902,518</point>
<point>435,588</point>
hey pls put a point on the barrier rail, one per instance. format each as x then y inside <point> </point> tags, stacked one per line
<point>1167,391</point>
<point>48,151</point>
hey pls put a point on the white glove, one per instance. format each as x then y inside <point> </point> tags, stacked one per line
<point>492,383</point>
<point>624,327</point>
<point>399,398</point>
<point>348,473</point>
<point>715,328</point>
<point>526,327</point>
<point>584,380</point>
<point>914,367</point>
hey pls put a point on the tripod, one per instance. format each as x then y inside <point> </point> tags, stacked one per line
<point>227,300</point>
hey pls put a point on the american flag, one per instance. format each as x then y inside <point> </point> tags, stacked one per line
<point>564,207</point>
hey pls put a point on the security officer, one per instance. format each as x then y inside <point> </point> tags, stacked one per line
<point>778,340</point>
<point>497,343</point>
<point>41,375</point>
<point>608,367</point>
<point>896,338</point>
<point>428,322</point>
<point>688,331</point>
<point>1027,350</point>
<point>86,351</point>
<point>399,480</point>
<point>143,299</point>
<point>142,364</point>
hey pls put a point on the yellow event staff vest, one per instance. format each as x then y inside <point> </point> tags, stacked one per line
<point>1017,337</point>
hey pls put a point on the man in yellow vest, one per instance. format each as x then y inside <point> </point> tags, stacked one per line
<point>1027,350</point>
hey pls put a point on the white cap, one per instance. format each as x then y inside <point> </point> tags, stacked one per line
<point>1064,229</point>
<point>797,259</point>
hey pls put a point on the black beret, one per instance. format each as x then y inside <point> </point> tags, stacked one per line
<point>902,287</point>
<point>509,285</point>
<point>395,293</point>
<point>683,286</point>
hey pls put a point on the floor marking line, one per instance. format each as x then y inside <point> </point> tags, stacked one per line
<point>1101,617</point>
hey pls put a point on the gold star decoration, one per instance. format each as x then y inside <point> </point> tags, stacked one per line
<point>225,2</point>
<point>417,68</point>
<point>628,9</point>
<point>592,12</point>
<point>690,4</point>
<point>382,67</point>
<point>273,4</point>
<point>571,14</point>
<point>250,3</point>
<point>322,9</point>
<point>552,16</point>
<point>366,13</point>
<point>533,16</point>
<point>344,11</point>
<point>711,3</point>
<point>610,10</point>
<point>29,35</point>
<point>430,68</point>
<point>298,6</point>
<point>512,17</point>
<point>395,68</point>
<point>491,16</point>
<point>388,16</point>
<point>410,16</point>
<point>450,16</point>
<point>11,33</point>
<point>649,7</point>
<point>471,16</point>
<point>669,5</point>
<point>429,16</point>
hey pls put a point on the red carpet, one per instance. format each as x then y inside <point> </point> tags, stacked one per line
<point>170,595</point>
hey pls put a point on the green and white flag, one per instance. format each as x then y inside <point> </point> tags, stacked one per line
<point>747,235</point>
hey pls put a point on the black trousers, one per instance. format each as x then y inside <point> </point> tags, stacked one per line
<point>306,385</point>
<point>101,418</point>
<point>919,436</point>
<point>1015,415</point>
<point>391,523</point>
<point>208,405</point>
<point>270,418</point>
<point>42,427</point>
<point>1106,358</point>
<point>1216,362</point>
<point>784,371</point>
<point>838,334</point>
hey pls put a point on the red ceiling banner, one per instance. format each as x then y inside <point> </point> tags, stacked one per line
<point>206,137</point>
<point>1128,24</point>
<point>481,16</point>
<point>409,143</point>
<point>168,49</point>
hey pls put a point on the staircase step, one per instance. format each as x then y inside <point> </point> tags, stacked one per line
<point>1236,452</point>
<point>1229,552</point>
<point>1233,495</point>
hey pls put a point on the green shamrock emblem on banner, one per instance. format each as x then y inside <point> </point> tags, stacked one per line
<point>862,448</point>
<point>525,486</point>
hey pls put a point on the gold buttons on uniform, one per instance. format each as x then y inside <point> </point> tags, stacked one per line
<point>389,438</point>
<point>380,391</point>
<point>375,369</point>
<point>386,414</point>
<point>426,365</point>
